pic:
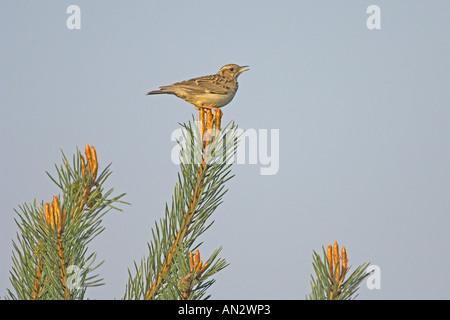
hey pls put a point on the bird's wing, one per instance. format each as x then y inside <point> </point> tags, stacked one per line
<point>207,84</point>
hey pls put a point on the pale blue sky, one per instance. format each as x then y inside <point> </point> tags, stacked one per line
<point>363,118</point>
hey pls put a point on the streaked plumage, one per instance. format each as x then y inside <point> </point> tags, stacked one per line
<point>214,91</point>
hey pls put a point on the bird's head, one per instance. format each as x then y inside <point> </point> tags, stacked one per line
<point>232,70</point>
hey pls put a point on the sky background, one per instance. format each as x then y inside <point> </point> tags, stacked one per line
<point>363,118</point>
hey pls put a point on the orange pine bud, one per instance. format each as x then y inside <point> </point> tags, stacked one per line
<point>344,259</point>
<point>191,261</point>
<point>56,214</point>
<point>330,261</point>
<point>336,260</point>
<point>199,266</point>
<point>83,165</point>
<point>204,267</point>
<point>218,118</point>
<point>47,212</point>
<point>52,215</point>
<point>202,122</point>
<point>329,255</point>
<point>335,254</point>
<point>197,257</point>
<point>209,119</point>
<point>56,205</point>
<point>94,165</point>
<point>87,150</point>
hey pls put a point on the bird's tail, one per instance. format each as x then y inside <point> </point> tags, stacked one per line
<point>155,92</point>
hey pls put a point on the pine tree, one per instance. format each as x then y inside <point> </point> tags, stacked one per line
<point>52,260</point>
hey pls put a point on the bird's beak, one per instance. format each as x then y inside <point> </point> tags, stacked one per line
<point>242,69</point>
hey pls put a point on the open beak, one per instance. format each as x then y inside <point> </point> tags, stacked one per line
<point>242,69</point>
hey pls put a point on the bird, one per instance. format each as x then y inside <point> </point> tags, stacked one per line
<point>209,92</point>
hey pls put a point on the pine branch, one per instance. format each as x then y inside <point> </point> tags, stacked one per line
<point>204,171</point>
<point>53,236</point>
<point>56,221</point>
<point>181,233</point>
<point>196,268</point>
<point>37,283</point>
<point>331,271</point>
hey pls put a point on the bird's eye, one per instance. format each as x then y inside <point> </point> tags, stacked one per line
<point>231,69</point>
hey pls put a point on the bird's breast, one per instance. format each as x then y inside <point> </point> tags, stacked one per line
<point>211,99</point>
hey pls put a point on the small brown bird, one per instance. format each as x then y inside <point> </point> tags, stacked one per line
<point>210,92</point>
